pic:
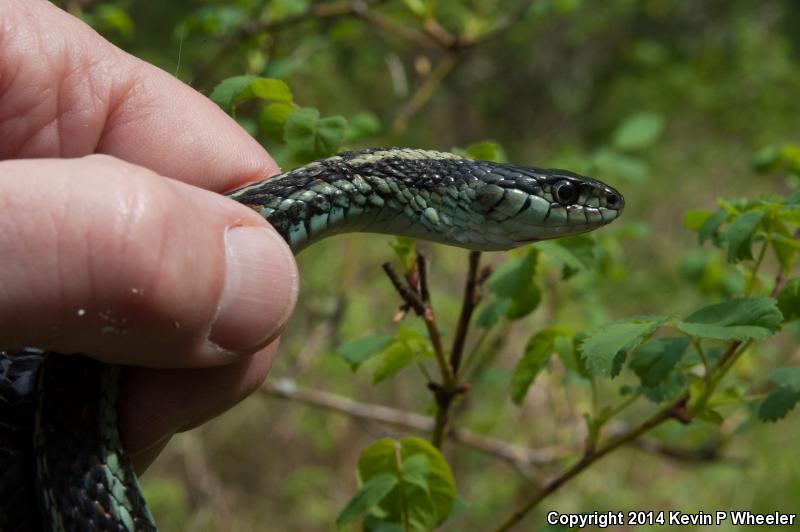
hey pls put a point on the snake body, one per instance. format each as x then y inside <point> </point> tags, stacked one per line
<point>61,463</point>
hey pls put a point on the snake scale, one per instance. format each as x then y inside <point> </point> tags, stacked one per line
<point>61,462</point>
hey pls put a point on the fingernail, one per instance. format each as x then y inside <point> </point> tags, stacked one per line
<point>260,289</point>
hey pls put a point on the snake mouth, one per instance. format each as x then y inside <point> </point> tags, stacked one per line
<point>565,231</point>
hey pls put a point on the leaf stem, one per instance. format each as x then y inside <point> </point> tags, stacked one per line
<point>751,283</point>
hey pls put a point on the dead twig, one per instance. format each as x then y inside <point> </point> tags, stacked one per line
<point>525,459</point>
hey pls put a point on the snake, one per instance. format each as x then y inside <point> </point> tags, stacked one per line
<point>62,465</point>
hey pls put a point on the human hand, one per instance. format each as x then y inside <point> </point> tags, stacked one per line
<point>132,257</point>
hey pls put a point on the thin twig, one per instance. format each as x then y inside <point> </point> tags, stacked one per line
<point>413,299</point>
<point>523,458</point>
<point>422,272</point>
<point>502,26</point>
<point>468,304</point>
<point>407,33</point>
<point>314,11</point>
<point>425,92</point>
<point>675,410</point>
<point>408,295</point>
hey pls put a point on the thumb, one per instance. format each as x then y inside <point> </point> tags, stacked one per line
<point>106,258</point>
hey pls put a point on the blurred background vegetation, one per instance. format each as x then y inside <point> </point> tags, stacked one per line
<point>673,102</point>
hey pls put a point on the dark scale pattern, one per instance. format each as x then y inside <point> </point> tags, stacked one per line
<point>18,508</point>
<point>420,194</point>
<point>75,434</point>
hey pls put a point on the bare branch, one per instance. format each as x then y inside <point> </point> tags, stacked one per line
<point>471,298</point>
<point>523,458</point>
<point>425,92</point>
<point>408,295</point>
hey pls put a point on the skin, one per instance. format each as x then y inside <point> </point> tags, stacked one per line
<point>114,239</point>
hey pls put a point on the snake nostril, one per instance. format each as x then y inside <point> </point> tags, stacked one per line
<point>612,199</point>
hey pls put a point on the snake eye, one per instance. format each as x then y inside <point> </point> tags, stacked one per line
<point>565,192</point>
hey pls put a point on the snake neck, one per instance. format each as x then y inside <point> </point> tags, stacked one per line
<point>381,191</point>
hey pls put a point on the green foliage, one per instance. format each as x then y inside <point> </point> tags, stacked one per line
<point>577,253</point>
<point>369,495</point>
<point>406,250</point>
<point>753,318</point>
<point>604,348</point>
<point>741,223</point>
<point>111,18</point>
<point>654,360</point>
<point>516,291</point>
<point>392,352</point>
<point>789,300</point>
<point>232,91</point>
<point>311,137</point>
<point>638,132</point>
<point>483,151</point>
<point>537,353</point>
<point>415,490</point>
<point>784,395</point>
<point>305,133</point>
<point>356,352</point>
<point>407,347</point>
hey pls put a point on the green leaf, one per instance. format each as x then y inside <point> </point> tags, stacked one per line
<point>695,219</point>
<point>362,125</point>
<point>711,225</point>
<point>406,250</point>
<point>739,236</point>
<point>491,313</point>
<point>667,389</point>
<point>525,301</point>
<point>113,18</point>
<point>785,248</point>
<point>513,276</point>
<point>373,523</point>
<point>786,377</point>
<point>789,300</point>
<point>371,493</point>
<point>311,137</point>
<point>273,90</point>
<point>356,352</point>
<point>766,158</point>
<point>778,402</point>
<point>415,470</point>
<point>537,353</point>
<point>604,348</point>
<point>407,347</point>
<point>655,359</point>
<point>567,350</point>
<point>424,510</point>
<point>514,284</point>
<point>578,253</point>
<point>611,162</point>
<point>273,120</point>
<point>233,90</point>
<point>638,131</point>
<point>226,91</point>
<point>736,319</point>
<point>484,151</point>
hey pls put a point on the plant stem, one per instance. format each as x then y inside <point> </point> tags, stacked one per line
<point>751,283</point>
<point>467,308</point>
<point>674,410</point>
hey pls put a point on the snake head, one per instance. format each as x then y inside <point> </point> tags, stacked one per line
<point>518,205</point>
